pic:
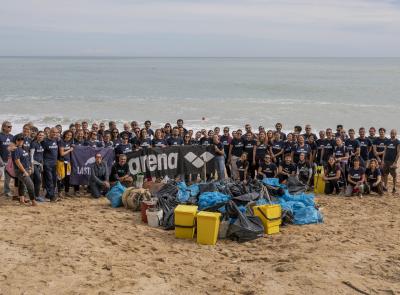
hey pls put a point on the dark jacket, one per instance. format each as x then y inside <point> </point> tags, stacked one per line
<point>99,173</point>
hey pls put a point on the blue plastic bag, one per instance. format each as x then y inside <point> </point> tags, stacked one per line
<point>210,199</point>
<point>273,182</point>
<point>307,215</point>
<point>115,195</point>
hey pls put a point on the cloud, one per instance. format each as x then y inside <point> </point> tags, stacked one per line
<point>256,23</point>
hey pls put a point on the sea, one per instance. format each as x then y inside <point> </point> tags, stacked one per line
<point>204,92</point>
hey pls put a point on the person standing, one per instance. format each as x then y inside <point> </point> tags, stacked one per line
<point>23,171</point>
<point>226,141</point>
<point>37,163</point>
<point>65,150</point>
<point>219,157</point>
<point>235,152</point>
<point>6,138</point>
<point>391,158</point>
<point>50,155</point>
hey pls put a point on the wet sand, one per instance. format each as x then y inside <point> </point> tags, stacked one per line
<point>83,246</point>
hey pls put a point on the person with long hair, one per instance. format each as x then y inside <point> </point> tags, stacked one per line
<point>373,177</point>
<point>332,176</point>
<point>23,171</point>
<point>159,140</point>
<point>36,152</point>
<point>260,150</point>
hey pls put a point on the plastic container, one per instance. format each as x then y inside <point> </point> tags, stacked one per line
<point>319,182</point>
<point>185,221</point>
<point>154,217</point>
<point>139,180</point>
<point>270,216</point>
<point>207,227</point>
<point>144,205</point>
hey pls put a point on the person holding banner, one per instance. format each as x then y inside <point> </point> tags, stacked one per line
<point>98,181</point>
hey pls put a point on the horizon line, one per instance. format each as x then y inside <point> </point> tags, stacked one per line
<point>143,56</point>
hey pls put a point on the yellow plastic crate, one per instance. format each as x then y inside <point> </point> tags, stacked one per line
<point>319,182</point>
<point>207,227</point>
<point>270,216</point>
<point>185,221</point>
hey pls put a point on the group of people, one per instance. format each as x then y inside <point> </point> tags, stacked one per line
<point>353,164</point>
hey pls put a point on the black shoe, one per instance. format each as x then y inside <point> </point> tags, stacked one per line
<point>393,191</point>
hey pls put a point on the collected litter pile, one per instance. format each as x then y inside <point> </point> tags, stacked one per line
<point>220,209</point>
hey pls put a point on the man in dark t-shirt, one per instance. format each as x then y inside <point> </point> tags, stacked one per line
<point>50,155</point>
<point>391,158</point>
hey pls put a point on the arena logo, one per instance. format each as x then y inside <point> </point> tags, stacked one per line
<point>153,162</point>
<point>198,161</point>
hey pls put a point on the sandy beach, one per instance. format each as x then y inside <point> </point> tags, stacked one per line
<point>83,246</point>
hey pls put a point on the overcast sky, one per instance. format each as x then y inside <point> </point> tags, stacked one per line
<point>200,28</point>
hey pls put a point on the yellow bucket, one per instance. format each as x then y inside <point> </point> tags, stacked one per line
<point>319,182</point>
<point>185,222</point>
<point>207,227</point>
<point>270,216</point>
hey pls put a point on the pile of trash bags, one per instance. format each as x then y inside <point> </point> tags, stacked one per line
<point>234,200</point>
<point>222,196</point>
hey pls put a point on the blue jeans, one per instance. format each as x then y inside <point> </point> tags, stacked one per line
<point>50,180</point>
<point>220,166</point>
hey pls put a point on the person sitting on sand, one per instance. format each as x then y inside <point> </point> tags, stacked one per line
<point>286,169</point>
<point>98,181</point>
<point>355,179</point>
<point>23,170</point>
<point>332,175</point>
<point>120,172</point>
<point>373,177</point>
<point>267,169</point>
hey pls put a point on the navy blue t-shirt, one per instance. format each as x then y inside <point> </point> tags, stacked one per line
<point>288,168</point>
<point>372,176</point>
<point>278,146</point>
<point>391,150</point>
<point>237,147</point>
<point>123,149</point>
<point>305,149</point>
<point>172,141</point>
<point>269,170</point>
<point>94,143</point>
<point>356,174</point>
<point>249,148</point>
<point>365,144</point>
<point>380,144</point>
<point>329,145</point>
<point>225,140</point>
<point>50,153</point>
<point>37,151</point>
<point>145,143</point>
<point>159,142</point>
<point>67,146</point>
<point>261,151</point>
<point>352,145</point>
<point>340,151</point>
<point>5,141</point>
<point>24,157</point>
<point>205,141</point>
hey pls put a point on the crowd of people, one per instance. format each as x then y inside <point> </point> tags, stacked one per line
<point>353,163</point>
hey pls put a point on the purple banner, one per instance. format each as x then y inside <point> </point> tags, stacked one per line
<point>83,158</point>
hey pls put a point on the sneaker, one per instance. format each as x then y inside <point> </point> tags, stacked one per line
<point>77,194</point>
<point>8,195</point>
<point>40,199</point>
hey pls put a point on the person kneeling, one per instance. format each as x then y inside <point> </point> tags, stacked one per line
<point>332,176</point>
<point>355,179</point>
<point>286,169</point>
<point>98,181</point>
<point>120,172</point>
<point>374,178</point>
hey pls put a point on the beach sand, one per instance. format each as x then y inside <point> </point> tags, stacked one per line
<point>83,246</point>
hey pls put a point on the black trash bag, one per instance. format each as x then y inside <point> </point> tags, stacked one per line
<point>168,222</point>
<point>254,186</point>
<point>274,191</point>
<point>236,189</point>
<point>207,187</point>
<point>245,228</point>
<point>287,217</point>
<point>295,186</point>
<point>247,197</point>
<point>214,208</point>
<point>192,201</point>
